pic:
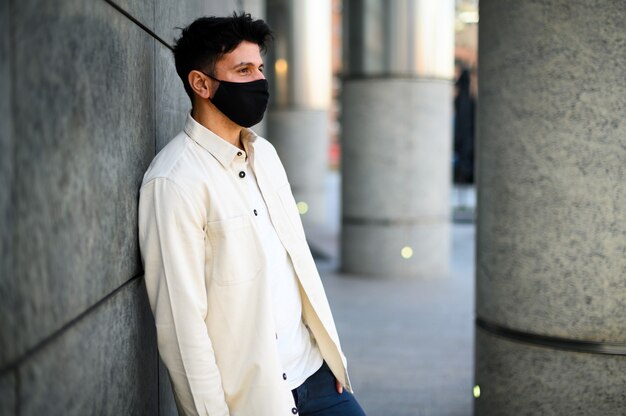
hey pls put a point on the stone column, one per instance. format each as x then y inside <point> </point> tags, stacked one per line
<point>299,73</point>
<point>396,140</point>
<point>551,238</point>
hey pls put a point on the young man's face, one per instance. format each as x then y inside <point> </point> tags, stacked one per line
<point>242,64</point>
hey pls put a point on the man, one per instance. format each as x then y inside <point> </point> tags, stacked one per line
<point>243,323</point>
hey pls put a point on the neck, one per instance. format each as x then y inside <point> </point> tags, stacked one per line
<point>210,117</point>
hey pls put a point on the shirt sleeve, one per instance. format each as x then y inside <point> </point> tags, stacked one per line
<point>171,239</point>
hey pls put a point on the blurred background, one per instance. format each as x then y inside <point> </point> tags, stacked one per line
<point>469,225</point>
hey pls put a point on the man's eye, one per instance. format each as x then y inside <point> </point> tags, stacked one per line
<point>243,70</point>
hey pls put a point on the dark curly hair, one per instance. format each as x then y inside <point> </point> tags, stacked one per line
<point>207,39</point>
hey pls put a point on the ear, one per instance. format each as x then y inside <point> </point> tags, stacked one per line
<point>200,83</point>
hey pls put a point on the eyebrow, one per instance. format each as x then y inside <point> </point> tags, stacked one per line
<point>240,64</point>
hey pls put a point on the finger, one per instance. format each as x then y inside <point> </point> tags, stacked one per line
<point>339,387</point>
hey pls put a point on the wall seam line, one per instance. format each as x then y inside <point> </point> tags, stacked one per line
<point>14,366</point>
<point>138,23</point>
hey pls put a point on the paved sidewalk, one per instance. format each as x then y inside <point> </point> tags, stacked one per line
<point>409,342</point>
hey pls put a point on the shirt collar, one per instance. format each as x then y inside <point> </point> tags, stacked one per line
<point>223,151</point>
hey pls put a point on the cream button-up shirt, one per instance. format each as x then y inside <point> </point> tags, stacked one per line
<point>206,278</point>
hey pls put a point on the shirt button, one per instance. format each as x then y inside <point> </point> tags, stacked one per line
<point>242,174</point>
<point>256,213</point>
<point>239,153</point>
<point>284,376</point>
<point>294,410</point>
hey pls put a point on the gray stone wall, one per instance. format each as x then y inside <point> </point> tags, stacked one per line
<point>89,94</point>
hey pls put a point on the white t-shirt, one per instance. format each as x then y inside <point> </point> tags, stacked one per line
<point>297,349</point>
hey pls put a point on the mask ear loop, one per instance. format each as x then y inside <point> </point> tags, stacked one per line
<point>213,78</point>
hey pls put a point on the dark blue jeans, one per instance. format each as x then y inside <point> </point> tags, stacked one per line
<point>318,396</point>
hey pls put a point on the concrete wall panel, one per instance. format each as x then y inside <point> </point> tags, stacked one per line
<point>8,384</point>
<point>170,15</point>
<point>84,130</point>
<point>140,10</point>
<point>7,288</point>
<point>172,103</point>
<point>106,364</point>
<point>255,7</point>
<point>167,404</point>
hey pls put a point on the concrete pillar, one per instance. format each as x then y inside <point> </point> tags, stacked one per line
<point>551,238</point>
<point>396,140</point>
<point>299,72</point>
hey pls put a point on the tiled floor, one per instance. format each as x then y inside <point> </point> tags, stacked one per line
<point>409,342</point>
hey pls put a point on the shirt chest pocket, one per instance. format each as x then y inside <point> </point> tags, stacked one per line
<point>234,251</point>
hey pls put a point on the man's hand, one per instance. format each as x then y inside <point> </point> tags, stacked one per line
<point>339,386</point>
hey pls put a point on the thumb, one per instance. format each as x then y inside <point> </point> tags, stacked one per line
<point>339,386</point>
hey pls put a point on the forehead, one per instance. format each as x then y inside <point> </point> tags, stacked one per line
<point>245,52</point>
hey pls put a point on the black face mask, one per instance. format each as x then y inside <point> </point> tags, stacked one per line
<point>242,102</point>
